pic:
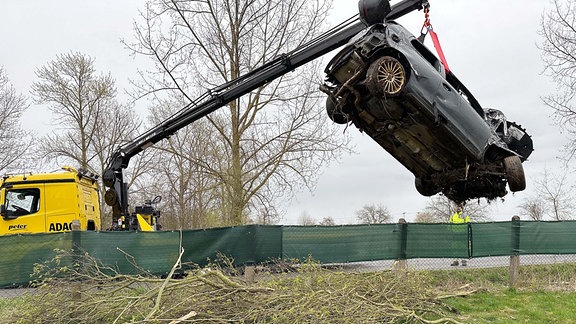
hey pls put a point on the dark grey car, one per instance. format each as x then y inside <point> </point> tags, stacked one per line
<point>392,87</point>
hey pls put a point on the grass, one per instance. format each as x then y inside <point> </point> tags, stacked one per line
<point>11,307</point>
<point>543,294</point>
<point>513,306</point>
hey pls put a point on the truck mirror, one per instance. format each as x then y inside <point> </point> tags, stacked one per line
<point>7,214</point>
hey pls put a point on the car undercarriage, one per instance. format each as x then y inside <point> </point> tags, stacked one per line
<point>392,88</point>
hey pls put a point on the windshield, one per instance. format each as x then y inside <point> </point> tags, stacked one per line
<point>21,202</point>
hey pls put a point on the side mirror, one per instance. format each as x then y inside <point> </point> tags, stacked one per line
<point>6,214</point>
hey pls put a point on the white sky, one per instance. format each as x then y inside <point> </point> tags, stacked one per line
<point>490,45</point>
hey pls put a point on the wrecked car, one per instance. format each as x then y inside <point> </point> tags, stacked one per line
<point>390,86</point>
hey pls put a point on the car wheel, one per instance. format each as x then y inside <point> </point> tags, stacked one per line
<point>515,172</point>
<point>426,187</point>
<point>335,114</point>
<point>386,77</point>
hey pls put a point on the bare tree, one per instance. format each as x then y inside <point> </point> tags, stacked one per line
<point>272,141</point>
<point>373,214</point>
<point>533,207</point>
<point>305,219</point>
<point>13,140</point>
<point>183,166</point>
<point>425,217</point>
<point>328,221</point>
<point>558,47</point>
<point>267,216</point>
<point>554,197</point>
<point>76,97</point>
<point>439,209</point>
<point>91,124</point>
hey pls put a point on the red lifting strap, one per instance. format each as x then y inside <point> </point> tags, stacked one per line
<point>439,49</point>
<point>427,28</point>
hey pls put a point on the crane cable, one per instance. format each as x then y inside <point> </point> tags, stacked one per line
<point>427,29</point>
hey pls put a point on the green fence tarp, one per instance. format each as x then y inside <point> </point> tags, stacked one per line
<point>437,241</point>
<point>547,237</point>
<point>336,244</point>
<point>19,253</point>
<point>133,252</point>
<point>492,239</point>
<point>245,244</point>
<point>156,252</point>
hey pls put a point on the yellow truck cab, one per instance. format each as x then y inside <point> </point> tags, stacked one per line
<point>49,202</point>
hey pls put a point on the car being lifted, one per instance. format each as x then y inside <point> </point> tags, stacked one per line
<point>390,86</point>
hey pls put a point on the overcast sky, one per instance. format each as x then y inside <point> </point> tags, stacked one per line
<point>490,45</point>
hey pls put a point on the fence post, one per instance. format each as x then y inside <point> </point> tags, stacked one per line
<point>76,250</point>
<point>400,264</point>
<point>515,255</point>
<point>249,274</point>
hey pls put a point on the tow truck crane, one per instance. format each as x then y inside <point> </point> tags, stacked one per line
<point>371,12</point>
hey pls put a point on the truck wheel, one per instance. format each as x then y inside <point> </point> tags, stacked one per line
<point>425,187</point>
<point>386,77</point>
<point>335,114</point>
<point>515,172</point>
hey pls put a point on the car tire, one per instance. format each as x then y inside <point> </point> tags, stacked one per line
<point>515,173</point>
<point>335,115</point>
<point>425,187</point>
<point>386,77</point>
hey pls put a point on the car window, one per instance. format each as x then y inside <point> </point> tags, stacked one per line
<point>429,56</point>
<point>20,202</point>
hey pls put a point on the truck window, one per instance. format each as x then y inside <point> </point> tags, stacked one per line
<point>20,202</point>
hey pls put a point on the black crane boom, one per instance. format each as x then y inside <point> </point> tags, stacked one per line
<point>371,12</point>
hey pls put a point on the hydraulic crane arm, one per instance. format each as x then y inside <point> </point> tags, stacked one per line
<point>371,12</point>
